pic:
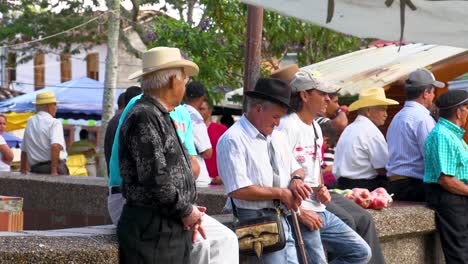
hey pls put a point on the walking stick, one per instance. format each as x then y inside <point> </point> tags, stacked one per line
<point>300,241</point>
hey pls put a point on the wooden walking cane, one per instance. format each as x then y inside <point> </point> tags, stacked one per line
<point>300,241</point>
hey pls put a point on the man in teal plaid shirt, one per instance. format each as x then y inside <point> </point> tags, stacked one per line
<point>446,172</point>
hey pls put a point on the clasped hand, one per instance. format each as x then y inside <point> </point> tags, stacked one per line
<point>193,222</point>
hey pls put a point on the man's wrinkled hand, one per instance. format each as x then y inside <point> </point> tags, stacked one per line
<point>288,199</point>
<point>194,217</point>
<point>323,195</point>
<point>198,229</point>
<point>310,219</point>
<point>300,190</point>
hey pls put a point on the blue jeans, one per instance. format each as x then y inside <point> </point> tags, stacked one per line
<point>287,254</point>
<point>337,237</point>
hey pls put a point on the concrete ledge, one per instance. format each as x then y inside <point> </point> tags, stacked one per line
<point>78,245</point>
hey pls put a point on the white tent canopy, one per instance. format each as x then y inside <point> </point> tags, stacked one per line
<point>433,22</point>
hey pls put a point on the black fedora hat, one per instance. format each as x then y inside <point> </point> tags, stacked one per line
<point>273,90</point>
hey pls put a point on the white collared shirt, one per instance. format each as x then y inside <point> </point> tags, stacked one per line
<point>306,147</point>
<point>42,130</point>
<point>202,143</point>
<point>361,150</point>
<point>243,160</point>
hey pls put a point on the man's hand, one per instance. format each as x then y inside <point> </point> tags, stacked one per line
<point>300,190</point>
<point>310,219</point>
<point>288,199</point>
<point>323,195</point>
<point>194,217</point>
<point>197,228</point>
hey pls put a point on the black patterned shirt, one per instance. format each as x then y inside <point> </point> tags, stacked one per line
<point>154,166</point>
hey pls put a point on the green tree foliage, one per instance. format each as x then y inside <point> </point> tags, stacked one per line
<point>217,42</point>
<point>26,20</point>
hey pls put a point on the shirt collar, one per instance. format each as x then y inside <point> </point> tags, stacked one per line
<point>417,105</point>
<point>452,127</point>
<point>44,114</point>
<point>250,129</point>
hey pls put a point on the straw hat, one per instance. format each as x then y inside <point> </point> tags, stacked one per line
<point>371,97</point>
<point>285,73</point>
<point>45,98</point>
<point>161,58</point>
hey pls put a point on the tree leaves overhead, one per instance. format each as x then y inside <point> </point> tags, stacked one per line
<point>27,20</point>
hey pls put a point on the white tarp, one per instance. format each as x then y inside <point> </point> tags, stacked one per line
<point>433,22</point>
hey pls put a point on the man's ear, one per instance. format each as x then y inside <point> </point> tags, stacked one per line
<point>303,95</point>
<point>258,108</point>
<point>172,81</point>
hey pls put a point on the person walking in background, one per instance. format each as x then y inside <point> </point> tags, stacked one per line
<point>446,173</point>
<point>362,152</point>
<point>43,148</point>
<point>6,155</point>
<point>215,131</point>
<point>86,147</point>
<point>195,95</point>
<point>406,135</point>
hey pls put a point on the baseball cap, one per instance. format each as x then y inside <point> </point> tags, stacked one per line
<point>422,77</point>
<point>195,90</point>
<point>306,80</point>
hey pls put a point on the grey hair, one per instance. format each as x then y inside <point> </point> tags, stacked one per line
<point>251,102</point>
<point>159,79</point>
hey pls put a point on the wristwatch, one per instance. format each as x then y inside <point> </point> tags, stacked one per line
<point>297,177</point>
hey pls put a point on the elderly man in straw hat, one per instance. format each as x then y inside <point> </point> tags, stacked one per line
<point>43,147</point>
<point>318,225</point>
<point>361,151</point>
<point>160,220</point>
<point>446,173</point>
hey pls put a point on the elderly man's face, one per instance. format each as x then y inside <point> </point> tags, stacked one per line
<point>268,117</point>
<point>377,114</point>
<point>333,106</point>
<point>205,110</point>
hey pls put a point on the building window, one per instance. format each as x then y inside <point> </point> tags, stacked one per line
<point>92,66</point>
<point>11,66</point>
<point>65,68</point>
<point>39,71</point>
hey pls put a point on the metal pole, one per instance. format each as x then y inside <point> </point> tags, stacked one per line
<point>253,47</point>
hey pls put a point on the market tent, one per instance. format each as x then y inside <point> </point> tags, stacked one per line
<point>78,96</point>
<point>434,22</point>
<point>11,140</point>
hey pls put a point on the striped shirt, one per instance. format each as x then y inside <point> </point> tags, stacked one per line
<point>405,137</point>
<point>243,160</point>
<point>446,152</point>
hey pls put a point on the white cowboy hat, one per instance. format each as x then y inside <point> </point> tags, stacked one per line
<point>371,97</point>
<point>161,58</point>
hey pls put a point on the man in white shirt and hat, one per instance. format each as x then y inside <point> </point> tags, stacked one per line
<point>362,152</point>
<point>43,149</point>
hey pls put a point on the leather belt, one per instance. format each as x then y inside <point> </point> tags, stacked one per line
<point>397,178</point>
<point>115,190</point>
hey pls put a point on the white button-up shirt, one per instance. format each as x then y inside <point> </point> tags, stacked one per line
<point>243,160</point>
<point>361,150</point>
<point>42,130</point>
<point>202,143</point>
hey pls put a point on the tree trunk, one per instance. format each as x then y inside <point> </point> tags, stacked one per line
<point>110,78</point>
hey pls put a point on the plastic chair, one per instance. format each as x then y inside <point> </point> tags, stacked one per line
<point>76,165</point>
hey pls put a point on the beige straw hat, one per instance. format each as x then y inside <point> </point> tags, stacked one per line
<point>161,58</point>
<point>371,97</point>
<point>45,98</point>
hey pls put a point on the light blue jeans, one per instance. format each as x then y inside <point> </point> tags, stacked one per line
<point>337,237</point>
<point>287,254</point>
